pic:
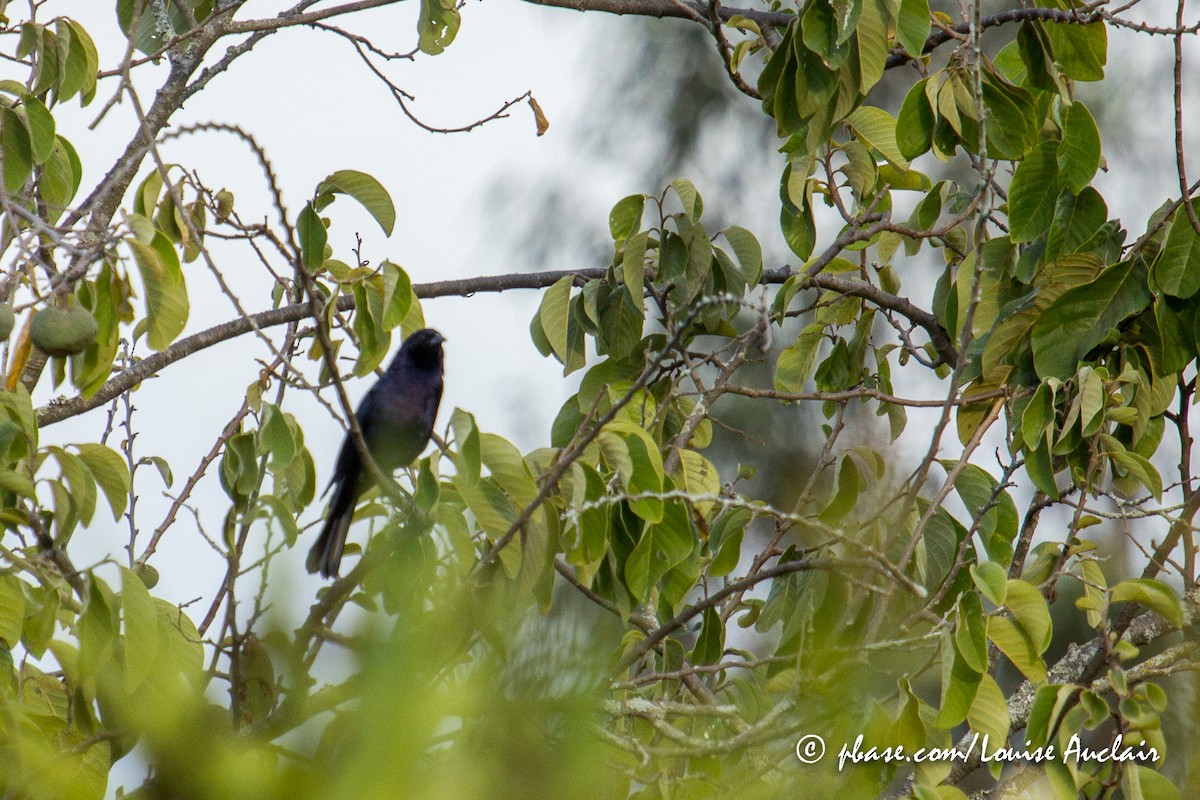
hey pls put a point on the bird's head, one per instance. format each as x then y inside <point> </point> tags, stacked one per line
<point>423,348</point>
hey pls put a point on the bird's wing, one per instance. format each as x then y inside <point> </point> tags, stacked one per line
<point>348,466</point>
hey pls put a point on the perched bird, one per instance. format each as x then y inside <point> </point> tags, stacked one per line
<point>396,419</point>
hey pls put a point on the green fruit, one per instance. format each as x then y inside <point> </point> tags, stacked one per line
<point>63,331</point>
<point>148,574</point>
<point>224,204</point>
<point>7,320</point>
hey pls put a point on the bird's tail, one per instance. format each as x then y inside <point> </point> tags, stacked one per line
<point>326,553</point>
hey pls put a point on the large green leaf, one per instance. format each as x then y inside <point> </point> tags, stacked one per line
<point>367,191</point>
<point>313,237</point>
<point>1016,643</point>
<point>796,363</point>
<point>913,25</point>
<point>1081,50</point>
<point>41,128</point>
<point>626,216</point>
<point>554,315</point>
<point>12,611</point>
<point>437,25</point>
<point>141,638</point>
<point>872,35</point>
<point>1079,153</point>
<point>914,126</point>
<point>166,293</point>
<point>819,33</point>
<point>876,128</point>
<point>1084,316</point>
<point>1033,193</point>
<point>16,150</point>
<point>1153,594</point>
<point>1177,271</point>
<point>111,473</point>
<point>1076,221</point>
<point>1013,122</point>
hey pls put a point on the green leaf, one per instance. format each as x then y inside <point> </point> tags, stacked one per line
<point>799,229</point>
<point>970,631</point>
<point>313,238</point>
<point>1155,595</point>
<point>846,14</point>
<point>166,292</point>
<point>1039,464</point>
<point>1014,120</point>
<point>1033,193</point>
<point>15,482</point>
<point>796,363</point>
<point>1083,316</point>
<point>111,473</point>
<point>728,555</point>
<point>850,483</point>
<point>91,60</point>
<point>554,315</point>
<point>711,642</point>
<point>960,682</point>
<point>1177,271</point>
<point>16,150</point>
<point>510,469</point>
<point>1036,68</point>
<point>769,78</point>
<point>12,610</point>
<point>1076,221</point>
<point>275,437</point>
<point>876,128</point>
<point>913,25</point>
<point>367,191</point>
<point>437,26</point>
<point>1133,464</point>
<point>697,476</point>
<point>182,647</point>
<point>1081,50</point>
<point>748,251</point>
<point>872,32</point>
<point>1031,612</point>
<point>910,181</point>
<point>633,266</point>
<point>74,68</point>
<point>693,206</point>
<point>626,217</point>
<point>397,295</point>
<point>1038,415</point>
<point>820,35</point>
<point>373,340</point>
<point>1144,783</point>
<point>41,129</point>
<point>61,175</point>
<point>914,126</point>
<point>47,69</point>
<point>644,474</point>
<point>1079,153</point>
<point>991,579</point>
<point>1016,643</point>
<point>989,713</point>
<point>141,631</point>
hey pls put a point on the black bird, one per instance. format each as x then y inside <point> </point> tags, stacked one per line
<point>396,418</point>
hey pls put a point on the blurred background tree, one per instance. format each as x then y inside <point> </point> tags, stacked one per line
<point>891,440</point>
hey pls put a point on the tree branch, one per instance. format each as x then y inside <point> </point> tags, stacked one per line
<point>58,410</point>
